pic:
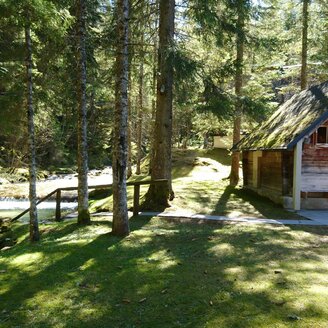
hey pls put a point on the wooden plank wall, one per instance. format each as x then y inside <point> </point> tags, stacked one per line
<point>270,176</point>
<point>315,168</point>
<point>247,160</point>
<point>315,159</point>
<point>287,172</point>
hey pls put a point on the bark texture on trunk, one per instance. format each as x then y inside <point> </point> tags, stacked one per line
<point>129,155</point>
<point>154,88</point>
<point>120,146</point>
<point>235,158</point>
<point>34,224</point>
<point>140,111</point>
<point>305,19</point>
<point>131,55</point>
<point>82,159</point>
<point>158,196</point>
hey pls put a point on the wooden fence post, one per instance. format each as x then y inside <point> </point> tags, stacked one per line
<point>58,200</point>
<point>136,199</point>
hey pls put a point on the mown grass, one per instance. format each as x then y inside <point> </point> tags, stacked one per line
<point>166,274</point>
<point>201,186</point>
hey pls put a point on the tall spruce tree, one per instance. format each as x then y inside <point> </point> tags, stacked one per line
<point>140,109</point>
<point>120,140</point>
<point>37,20</point>
<point>305,24</point>
<point>82,159</point>
<point>34,225</point>
<point>158,196</point>
<point>240,40</point>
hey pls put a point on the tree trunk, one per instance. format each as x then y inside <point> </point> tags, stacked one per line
<point>158,196</point>
<point>140,111</point>
<point>34,225</point>
<point>120,146</point>
<point>82,159</point>
<point>304,44</point>
<point>235,158</point>
<point>131,54</point>
<point>154,90</point>
<point>129,155</point>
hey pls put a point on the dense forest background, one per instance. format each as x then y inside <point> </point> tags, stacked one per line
<point>203,57</point>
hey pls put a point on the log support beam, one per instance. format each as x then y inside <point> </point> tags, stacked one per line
<point>256,156</point>
<point>58,201</point>
<point>297,176</point>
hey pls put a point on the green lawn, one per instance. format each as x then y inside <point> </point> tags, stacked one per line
<point>166,274</point>
<point>201,186</point>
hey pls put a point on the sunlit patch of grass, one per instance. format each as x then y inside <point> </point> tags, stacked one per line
<point>166,274</point>
<point>200,186</point>
<point>27,259</point>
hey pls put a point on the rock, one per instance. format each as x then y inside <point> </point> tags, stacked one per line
<point>5,248</point>
<point>100,193</point>
<point>293,317</point>
<point>4,181</point>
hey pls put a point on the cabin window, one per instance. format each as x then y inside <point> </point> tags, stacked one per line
<point>322,135</point>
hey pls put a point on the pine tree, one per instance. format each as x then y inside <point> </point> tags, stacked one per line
<point>120,146</point>
<point>305,18</point>
<point>140,109</point>
<point>235,158</point>
<point>34,225</point>
<point>82,160</point>
<point>158,196</point>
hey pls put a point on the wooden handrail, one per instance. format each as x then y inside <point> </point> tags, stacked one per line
<point>130,183</point>
<point>58,192</point>
<point>37,203</point>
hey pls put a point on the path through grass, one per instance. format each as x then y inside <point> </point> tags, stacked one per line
<point>201,186</point>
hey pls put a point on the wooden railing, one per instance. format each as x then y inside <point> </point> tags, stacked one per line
<point>58,192</point>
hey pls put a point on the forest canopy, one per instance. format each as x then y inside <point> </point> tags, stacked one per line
<point>203,58</point>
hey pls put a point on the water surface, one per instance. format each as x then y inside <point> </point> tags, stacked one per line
<point>46,210</point>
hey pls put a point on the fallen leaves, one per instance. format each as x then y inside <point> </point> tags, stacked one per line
<point>126,301</point>
<point>143,300</point>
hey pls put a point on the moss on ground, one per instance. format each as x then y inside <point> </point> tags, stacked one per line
<point>166,274</point>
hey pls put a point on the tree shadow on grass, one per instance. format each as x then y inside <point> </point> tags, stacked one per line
<point>192,282</point>
<point>59,243</point>
<point>168,274</point>
<point>263,205</point>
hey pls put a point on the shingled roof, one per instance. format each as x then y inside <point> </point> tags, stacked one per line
<point>296,118</point>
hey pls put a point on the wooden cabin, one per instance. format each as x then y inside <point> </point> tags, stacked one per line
<point>286,157</point>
